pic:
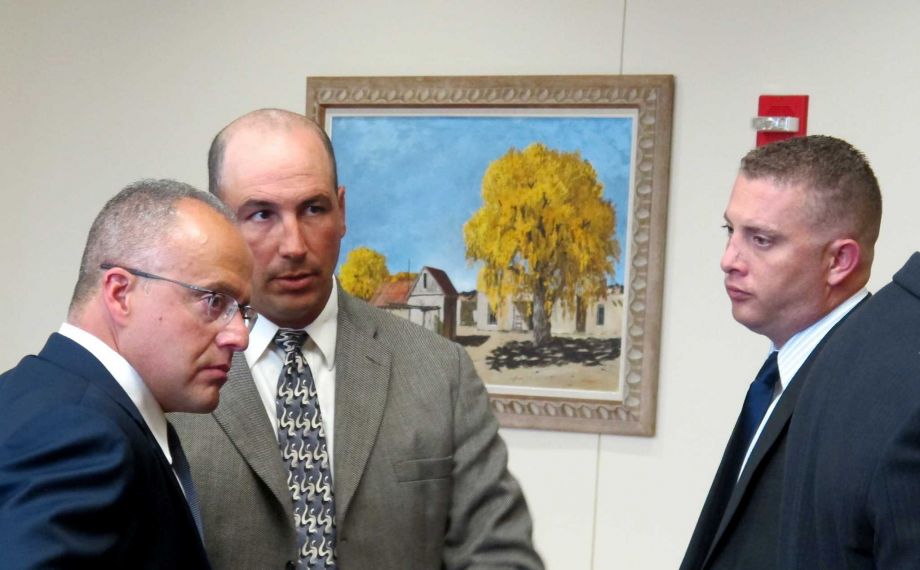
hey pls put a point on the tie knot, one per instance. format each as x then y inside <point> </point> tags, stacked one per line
<point>769,372</point>
<point>172,438</point>
<point>290,340</point>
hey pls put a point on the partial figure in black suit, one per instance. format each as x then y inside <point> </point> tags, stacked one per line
<point>91,473</point>
<point>852,497</point>
<point>802,222</point>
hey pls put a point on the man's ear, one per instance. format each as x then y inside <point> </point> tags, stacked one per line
<point>340,196</point>
<point>117,285</point>
<point>845,256</point>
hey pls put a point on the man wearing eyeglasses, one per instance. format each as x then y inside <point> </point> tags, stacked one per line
<point>346,437</point>
<point>91,472</point>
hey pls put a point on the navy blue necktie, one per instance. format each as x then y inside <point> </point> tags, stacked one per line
<point>758,399</point>
<point>184,474</point>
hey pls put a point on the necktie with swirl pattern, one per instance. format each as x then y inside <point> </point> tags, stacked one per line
<point>302,439</point>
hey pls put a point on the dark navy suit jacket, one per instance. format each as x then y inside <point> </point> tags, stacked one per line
<point>83,482</point>
<point>738,528</point>
<point>852,496</point>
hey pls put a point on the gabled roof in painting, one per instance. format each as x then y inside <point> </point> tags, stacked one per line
<point>392,293</point>
<point>444,282</point>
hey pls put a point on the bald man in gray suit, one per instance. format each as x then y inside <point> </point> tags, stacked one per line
<point>417,468</point>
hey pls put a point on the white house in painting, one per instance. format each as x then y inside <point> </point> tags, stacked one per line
<point>601,318</point>
<point>430,301</point>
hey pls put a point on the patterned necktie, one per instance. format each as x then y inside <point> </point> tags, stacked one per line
<point>758,399</point>
<point>184,473</point>
<point>302,439</point>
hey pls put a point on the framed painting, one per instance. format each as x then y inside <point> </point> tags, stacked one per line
<point>522,217</point>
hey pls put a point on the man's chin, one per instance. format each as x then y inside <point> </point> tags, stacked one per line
<point>205,403</point>
<point>744,318</point>
<point>291,310</point>
<point>289,315</point>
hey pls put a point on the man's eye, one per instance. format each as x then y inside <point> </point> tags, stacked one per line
<point>761,240</point>
<point>728,229</point>
<point>260,215</point>
<point>216,304</point>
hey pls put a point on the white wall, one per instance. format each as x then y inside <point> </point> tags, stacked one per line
<point>96,94</point>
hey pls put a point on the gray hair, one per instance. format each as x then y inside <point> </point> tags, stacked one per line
<point>132,226</point>
<point>267,119</point>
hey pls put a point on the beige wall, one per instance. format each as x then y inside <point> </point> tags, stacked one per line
<point>98,93</point>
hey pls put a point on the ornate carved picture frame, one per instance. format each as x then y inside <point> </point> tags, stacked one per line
<point>415,154</point>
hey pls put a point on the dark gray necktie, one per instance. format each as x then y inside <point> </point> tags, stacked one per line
<point>184,473</point>
<point>302,439</point>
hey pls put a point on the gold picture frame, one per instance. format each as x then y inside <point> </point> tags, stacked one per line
<point>648,99</point>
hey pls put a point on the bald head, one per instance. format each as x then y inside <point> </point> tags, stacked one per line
<point>264,121</point>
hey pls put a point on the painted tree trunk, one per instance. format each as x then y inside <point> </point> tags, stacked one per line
<point>542,332</point>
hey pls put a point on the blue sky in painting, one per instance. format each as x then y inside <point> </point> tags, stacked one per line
<point>413,181</point>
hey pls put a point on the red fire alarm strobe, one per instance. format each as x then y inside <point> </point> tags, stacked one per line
<point>781,117</point>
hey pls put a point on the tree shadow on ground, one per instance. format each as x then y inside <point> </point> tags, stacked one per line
<point>557,352</point>
<point>472,339</point>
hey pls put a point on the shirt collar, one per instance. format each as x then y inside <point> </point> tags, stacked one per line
<point>323,331</point>
<point>129,380</point>
<point>797,349</point>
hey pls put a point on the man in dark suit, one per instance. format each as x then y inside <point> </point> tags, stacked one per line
<point>398,442</point>
<point>802,222</point>
<point>91,473</point>
<point>852,493</point>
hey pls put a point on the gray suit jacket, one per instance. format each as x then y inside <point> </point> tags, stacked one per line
<point>420,470</point>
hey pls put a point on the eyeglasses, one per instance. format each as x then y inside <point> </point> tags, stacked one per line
<point>219,306</point>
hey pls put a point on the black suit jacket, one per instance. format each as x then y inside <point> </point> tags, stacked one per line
<point>852,496</point>
<point>83,483</point>
<point>738,527</point>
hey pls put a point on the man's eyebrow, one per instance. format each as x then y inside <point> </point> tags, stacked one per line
<point>255,203</point>
<point>756,229</point>
<point>221,286</point>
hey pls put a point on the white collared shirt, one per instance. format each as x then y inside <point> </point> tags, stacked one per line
<point>265,361</point>
<point>796,351</point>
<point>129,380</point>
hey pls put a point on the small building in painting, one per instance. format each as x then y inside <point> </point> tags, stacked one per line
<point>433,302</point>
<point>430,300</point>
<point>600,318</point>
<point>393,296</point>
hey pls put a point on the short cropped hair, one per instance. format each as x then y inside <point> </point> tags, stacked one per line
<point>841,189</point>
<point>268,119</point>
<point>131,228</point>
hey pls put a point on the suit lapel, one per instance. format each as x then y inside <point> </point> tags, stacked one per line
<point>241,415</point>
<point>769,437</point>
<point>362,380</point>
<point>772,433</point>
<point>74,358</point>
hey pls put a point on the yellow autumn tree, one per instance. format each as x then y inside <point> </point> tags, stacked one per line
<point>363,272</point>
<point>544,232</point>
<point>403,276</point>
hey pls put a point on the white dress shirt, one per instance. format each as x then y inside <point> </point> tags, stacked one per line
<point>129,380</point>
<point>266,360</point>
<point>796,351</point>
